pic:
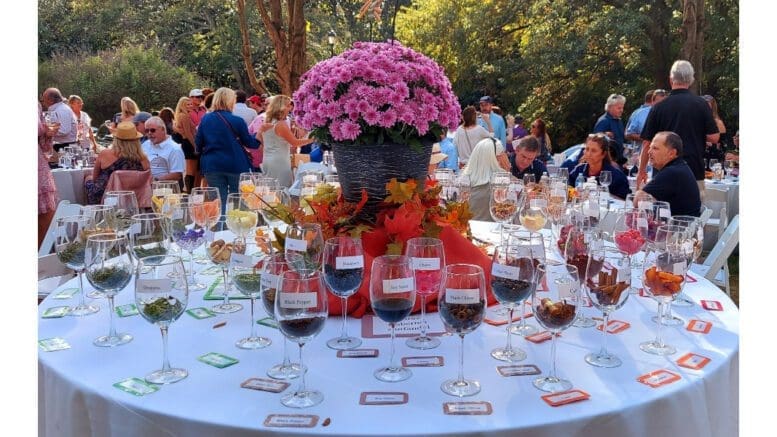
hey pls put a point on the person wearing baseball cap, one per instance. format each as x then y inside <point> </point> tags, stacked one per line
<point>198,111</point>
<point>492,122</point>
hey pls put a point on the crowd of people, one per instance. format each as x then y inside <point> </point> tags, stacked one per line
<point>213,136</point>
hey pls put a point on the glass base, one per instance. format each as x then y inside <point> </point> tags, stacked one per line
<point>674,321</point>
<point>283,373</point>
<point>511,356</point>
<point>552,384</point>
<point>166,377</point>
<point>83,310</point>
<point>603,360</point>
<point>425,342</point>
<point>344,343</point>
<point>652,347</point>
<point>524,330</point>
<point>253,342</point>
<point>107,341</point>
<point>582,321</point>
<point>392,374</point>
<point>682,300</point>
<point>94,294</point>
<point>201,259</point>
<point>227,308</point>
<point>467,387</point>
<point>302,399</point>
<point>196,286</point>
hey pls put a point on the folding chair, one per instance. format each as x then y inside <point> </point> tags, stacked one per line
<point>717,260</point>
<point>51,274</point>
<point>64,209</point>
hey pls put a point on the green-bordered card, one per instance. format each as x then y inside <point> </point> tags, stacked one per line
<point>200,313</point>
<point>53,344</point>
<point>127,310</point>
<point>136,386</point>
<point>66,293</point>
<point>216,359</point>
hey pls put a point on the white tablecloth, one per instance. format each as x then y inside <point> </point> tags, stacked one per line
<point>76,396</point>
<point>70,184</point>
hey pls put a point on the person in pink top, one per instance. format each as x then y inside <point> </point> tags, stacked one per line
<point>47,190</point>
<point>197,111</point>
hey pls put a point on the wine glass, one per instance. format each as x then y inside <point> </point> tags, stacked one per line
<point>125,205</point>
<point>304,246</point>
<point>246,277</point>
<point>392,294</point>
<point>428,258</point>
<point>681,237</point>
<point>148,235</point>
<point>220,252</point>
<point>160,190</point>
<point>301,311</point>
<point>188,235</point>
<point>605,179</point>
<point>663,278</point>
<point>108,269</point>
<point>205,203</point>
<point>534,211</point>
<point>658,216</point>
<point>555,311</point>
<point>240,218</point>
<point>607,287</point>
<point>557,206</point>
<point>70,245</point>
<point>582,238</point>
<point>462,304</point>
<point>696,238</point>
<point>502,206</point>
<point>462,183</point>
<point>536,247</point>
<point>162,301</point>
<point>512,281</point>
<point>272,200</point>
<point>333,180</point>
<point>271,271</point>
<point>343,274</point>
<point>630,232</point>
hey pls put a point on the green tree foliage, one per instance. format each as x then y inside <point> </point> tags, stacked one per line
<point>103,79</point>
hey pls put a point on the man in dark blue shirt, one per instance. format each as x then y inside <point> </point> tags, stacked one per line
<point>526,161</point>
<point>674,183</point>
<point>611,124</point>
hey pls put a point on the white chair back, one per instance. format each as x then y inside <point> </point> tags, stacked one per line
<point>64,209</point>
<point>718,258</point>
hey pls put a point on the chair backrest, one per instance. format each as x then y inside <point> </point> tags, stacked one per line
<point>132,180</point>
<point>64,209</point>
<point>706,213</point>
<point>723,248</point>
<point>297,184</point>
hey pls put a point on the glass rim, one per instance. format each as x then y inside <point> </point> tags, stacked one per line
<point>166,259</point>
<point>147,216</point>
<point>391,260</point>
<point>72,217</point>
<point>337,238</point>
<point>425,241</point>
<point>474,269</point>
<point>543,266</point>
<point>106,236</point>
<point>112,192</point>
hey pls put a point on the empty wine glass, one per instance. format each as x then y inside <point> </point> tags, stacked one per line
<point>70,245</point>
<point>536,245</point>
<point>343,274</point>
<point>188,235</point>
<point>161,302</point>
<point>301,308</point>
<point>246,277</point>
<point>240,218</point>
<point>304,246</point>
<point>658,216</point>
<point>607,287</point>
<point>125,205</point>
<point>513,278</point>
<point>555,310</point>
<point>272,269</point>
<point>108,269</point>
<point>428,258</point>
<point>462,304</point>
<point>392,295</point>
<point>605,179</point>
<point>696,238</point>
<point>148,236</point>
<point>220,253</point>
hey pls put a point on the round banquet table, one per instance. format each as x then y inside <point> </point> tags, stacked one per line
<point>77,398</point>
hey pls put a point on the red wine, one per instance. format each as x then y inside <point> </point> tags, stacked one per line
<point>511,290</point>
<point>343,282</point>
<point>303,328</point>
<point>462,318</point>
<point>392,309</point>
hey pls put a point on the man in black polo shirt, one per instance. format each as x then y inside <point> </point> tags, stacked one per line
<point>685,114</point>
<point>525,161</point>
<point>674,183</point>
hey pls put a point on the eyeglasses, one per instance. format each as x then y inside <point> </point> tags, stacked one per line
<point>597,135</point>
<point>660,92</point>
<point>150,131</point>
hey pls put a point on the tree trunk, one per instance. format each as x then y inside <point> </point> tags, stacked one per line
<point>288,41</point>
<point>657,30</point>
<point>257,86</point>
<point>693,37</point>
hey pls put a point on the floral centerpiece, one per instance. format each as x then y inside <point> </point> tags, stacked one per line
<point>381,106</point>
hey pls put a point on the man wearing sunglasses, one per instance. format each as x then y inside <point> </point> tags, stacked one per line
<point>165,155</point>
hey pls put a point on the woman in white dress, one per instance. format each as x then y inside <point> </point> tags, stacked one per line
<point>468,134</point>
<point>85,136</point>
<point>278,142</point>
<point>483,163</point>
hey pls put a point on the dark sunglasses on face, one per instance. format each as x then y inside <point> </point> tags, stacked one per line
<point>150,131</point>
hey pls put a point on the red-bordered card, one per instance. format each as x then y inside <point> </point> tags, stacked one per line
<point>712,305</point>
<point>700,326</point>
<point>657,378</point>
<point>565,397</point>
<point>693,361</point>
<point>539,337</point>
<point>615,326</point>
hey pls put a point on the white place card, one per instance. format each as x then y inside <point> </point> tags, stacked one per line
<point>462,296</point>
<point>268,280</point>
<point>349,262</point>
<point>162,192</point>
<point>642,223</point>
<point>241,260</point>
<point>399,285</point>
<point>664,213</point>
<point>644,204</point>
<point>298,300</point>
<point>111,201</point>
<point>426,263</point>
<point>295,244</point>
<point>679,268</point>
<point>374,327</point>
<point>196,198</point>
<point>504,271</point>
<point>154,285</point>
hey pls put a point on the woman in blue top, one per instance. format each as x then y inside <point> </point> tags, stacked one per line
<point>596,158</point>
<point>219,141</point>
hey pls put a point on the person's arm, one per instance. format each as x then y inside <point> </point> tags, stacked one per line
<point>713,138</point>
<point>145,164</point>
<point>283,131</point>
<point>97,165</point>
<point>246,138</point>
<point>199,141</point>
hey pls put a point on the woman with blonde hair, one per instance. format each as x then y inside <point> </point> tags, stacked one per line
<point>85,136</point>
<point>183,134</point>
<point>278,141</point>
<point>125,154</point>
<point>718,150</point>
<point>220,141</point>
<point>482,164</point>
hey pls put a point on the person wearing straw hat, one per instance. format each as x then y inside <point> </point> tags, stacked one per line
<point>125,154</point>
<point>437,158</point>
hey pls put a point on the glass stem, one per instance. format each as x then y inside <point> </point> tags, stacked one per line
<point>191,267</point>
<point>391,357</point>
<point>523,315</point>
<point>423,316</point>
<point>253,323</point>
<point>668,312</point>
<point>226,286</point>
<point>302,379</point>
<point>112,331</point>
<point>286,359</point>
<point>82,299</point>
<point>344,330</point>
<point>606,317</point>
<point>461,361</point>
<point>509,346</point>
<point>165,361</point>
<point>553,355</point>
<point>659,341</point>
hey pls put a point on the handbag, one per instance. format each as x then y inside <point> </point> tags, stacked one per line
<point>254,155</point>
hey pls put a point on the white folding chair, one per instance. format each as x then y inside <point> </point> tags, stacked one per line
<point>64,209</point>
<point>717,261</point>
<point>51,274</point>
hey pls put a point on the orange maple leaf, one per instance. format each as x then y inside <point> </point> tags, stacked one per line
<point>404,224</point>
<point>400,192</point>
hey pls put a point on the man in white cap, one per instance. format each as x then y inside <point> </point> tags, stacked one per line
<point>197,111</point>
